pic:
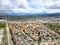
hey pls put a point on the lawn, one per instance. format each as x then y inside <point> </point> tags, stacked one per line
<point>2,25</point>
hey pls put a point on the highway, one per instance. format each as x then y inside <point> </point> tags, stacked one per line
<point>8,35</point>
<point>37,20</point>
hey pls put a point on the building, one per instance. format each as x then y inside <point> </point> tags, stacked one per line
<point>49,43</point>
<point>1,35</point>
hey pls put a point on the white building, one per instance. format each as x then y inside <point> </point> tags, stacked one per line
<point>1,35</point>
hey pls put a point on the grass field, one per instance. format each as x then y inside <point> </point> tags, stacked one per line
<point>2,25</point>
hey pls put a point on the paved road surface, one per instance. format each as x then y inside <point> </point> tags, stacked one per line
<point>25,43</point>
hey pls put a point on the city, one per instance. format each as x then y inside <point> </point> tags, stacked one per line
<point>29,33</point>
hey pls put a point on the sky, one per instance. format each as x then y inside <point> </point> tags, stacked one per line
<point>29,6</point>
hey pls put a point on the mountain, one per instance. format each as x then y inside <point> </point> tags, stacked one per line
<point>31,14</point>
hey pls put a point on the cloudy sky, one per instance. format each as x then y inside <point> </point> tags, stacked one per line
<point>29,6</point>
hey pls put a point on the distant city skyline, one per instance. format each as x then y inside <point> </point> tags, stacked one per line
<point>29,6</point>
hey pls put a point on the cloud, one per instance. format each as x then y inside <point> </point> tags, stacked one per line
<point>29,6</point>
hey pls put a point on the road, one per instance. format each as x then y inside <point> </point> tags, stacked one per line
<point>21,37</point>
<point>8,35</point>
